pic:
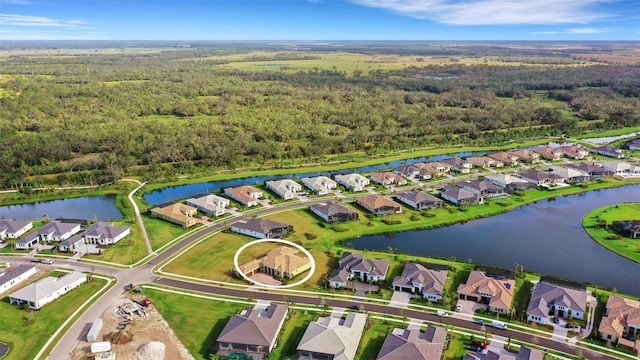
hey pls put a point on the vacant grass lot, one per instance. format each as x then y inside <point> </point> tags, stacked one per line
<point>161,232</point>
<point>27,331</point>
<point>606,236</point>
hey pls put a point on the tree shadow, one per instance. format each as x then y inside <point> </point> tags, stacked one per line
<point>209,344</point>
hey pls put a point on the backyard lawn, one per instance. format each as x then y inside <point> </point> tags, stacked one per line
<point>27,331</point>
<point>606,236</point>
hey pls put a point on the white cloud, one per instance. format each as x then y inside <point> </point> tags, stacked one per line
<point>493,12</point>
<point>575,31</point>
<point>39,21</point>
<point>47,35</point>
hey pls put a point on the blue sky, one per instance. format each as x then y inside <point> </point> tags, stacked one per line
<point>320,19</point>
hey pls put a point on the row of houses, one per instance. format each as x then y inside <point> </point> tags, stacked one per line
<point>254,332</point>
<point>65,233</point>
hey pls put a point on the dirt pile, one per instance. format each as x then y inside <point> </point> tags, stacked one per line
<point>151,351</point>
<point>120,337</point>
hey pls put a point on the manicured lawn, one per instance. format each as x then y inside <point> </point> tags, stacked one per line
<point>291,333</point>
<point>373,338</point>
<point>197,322</point>
<point>458,346</point>
<point>161,232</point>
<point>127,251</point>
<point>27,331</point>
<point>606,236</point>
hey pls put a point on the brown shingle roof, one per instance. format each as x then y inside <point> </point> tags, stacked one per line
<point>620,313</point>
<point>254,327</point>
<point>478,282</point>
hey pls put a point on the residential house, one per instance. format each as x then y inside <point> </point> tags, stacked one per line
<point>484,162</point>
<point>253,333</point>
<point>334,338</point>
<point>525,353</point>
<point>508,182</point>
<point>482,188</point>
<point>417,279</point>
<point>419,200</point>
<point>13,229</point>
<point>320,185</point>
<point>12,277</point>
<point>210,204</point>
<point>633,144</point>
<point>379,205</point>
<point>460,196</point>
<point>387,178</point>
<point>354,265</point>
<point>629,228</point>
<point>176,213</point>
<point>281,262</point>
<point>246,195</point>
<point>525,155</point>
<point>407,171</point>
<point>458,165</point>
<point>354,182</point>
<point>333,212</point>
<point>104,233</point>
<point>609,151</point>
<point>570,175</point>
<point>549,153</point>
<point>404,344</point>
<point>496,292</point>
<point>38,294</point>
<point>591,169</point>
<point>622,168</point>
<point>541,178</point>
<point>285,188</point>
<point>574,151</point>
<point>262,228</point>
<point>505,158</point>
<point>551,299</point>
<point>51,231</point>
<point>621,319</point>
<point>72,244</point>
<point>431,169</point>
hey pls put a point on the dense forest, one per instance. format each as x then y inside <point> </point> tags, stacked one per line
<point>92,117</point>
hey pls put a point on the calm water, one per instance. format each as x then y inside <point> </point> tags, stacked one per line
<point>76,208</point>
<point>610,139</point>
<point>175,193</point>
<point>545,237</point>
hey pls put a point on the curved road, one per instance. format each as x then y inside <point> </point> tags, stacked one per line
<point>144,274</point>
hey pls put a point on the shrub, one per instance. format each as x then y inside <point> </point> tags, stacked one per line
<point>310,236</point>
<point>391,222</point>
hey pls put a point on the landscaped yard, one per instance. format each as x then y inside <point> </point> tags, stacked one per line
<point>373,338</point>
<point>620,244</point>
<point>161,232</point>
<point>27,331</point>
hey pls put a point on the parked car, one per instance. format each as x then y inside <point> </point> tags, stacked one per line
<point>128,287</point>
<point>145,302</point>
<point>357,307</point>
<point>556,320</point>
<point>46,261</point>
<point>481,322</point>
<point>442,313</point>
<point>459,308</point>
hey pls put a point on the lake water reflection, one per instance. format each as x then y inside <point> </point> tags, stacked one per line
<point>545,237</point>
<point>103,207</point>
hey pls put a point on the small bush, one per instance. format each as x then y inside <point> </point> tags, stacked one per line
<point>613,237</point>
<point>391,222</point>
<point>414,217</point>
<point>310,236</point>
<point>428,214</point>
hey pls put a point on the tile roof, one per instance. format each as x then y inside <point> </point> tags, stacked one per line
<point>375,201</point>
<point>357,262</point>
<point>319,183</point>
<point>243,193</point>
<point>259,225</point>
<point>620,313</point>
<point>417,197</point>
<point>545,294</point>
<point>334,336</point>
<point>458,193</point>
<point>404,344</point>
<point>177,211</point>
<point>332,208</point>
<point>254,326</point>
<point>105,230</point>
<point>500,289</point>
<point>431,280</point>
<point>285,259</point>
<point>387,177</point>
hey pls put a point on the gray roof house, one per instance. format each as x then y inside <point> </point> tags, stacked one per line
<point>482,188</point>
<point>44,291</point>
<point>262,228</point>
<point>459,196</point>
<point>285,188</point>
<point>570,174</point>
<point>417,279</point>
<point>622,168</point>
<point>13,277</point>
<point>609,151</point>
<point>404,344</point>
<point>13,229</point>
<point>591,169</point>
<point>319,184</point>
<point>458,165</point>
<point>333,212</point>
<point>508,182</point>
<point>51,231</point>
<point>253,332</point>
<point>541,178</point>
<point>551,299</point>
<point>354,265</point>
<point>633,144</point>
<point>406,171</point>
<point>210,204</point>
<point>418,200</point>
<point>104,233</point>
<point>332,338</point>
<point>72,244</point>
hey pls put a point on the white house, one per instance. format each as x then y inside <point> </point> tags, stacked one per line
<point>13,277</point>
<point>72,244</point>
<point>622,168</point>
<point>506,181</point>
<point>319,184</point>
<point>609,151</point>
<point>245,195</point>
<point>417,279</point>
<point>353,182</point>
<point>52,231</point>
<point>558,300</point>
<point>38,294</point>
<point>210,204</point>
<point>12,229</point>
<point>261,228</point>
<point>285,188</point>
<point>104,233</point>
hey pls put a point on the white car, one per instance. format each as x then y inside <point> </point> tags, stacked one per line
<point>459,308</point>
<point>46,261</point>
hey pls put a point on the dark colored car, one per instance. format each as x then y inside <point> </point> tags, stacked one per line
<point>556,320</point>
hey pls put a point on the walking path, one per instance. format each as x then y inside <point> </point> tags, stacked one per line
<point>138,216</point>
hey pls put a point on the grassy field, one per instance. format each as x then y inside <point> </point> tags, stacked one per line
<point>27,331</point>
<point>161,232</point>
<point>196,321</point>
<point>128,251</point>
<point>373,338</point>
<point>605,236</point>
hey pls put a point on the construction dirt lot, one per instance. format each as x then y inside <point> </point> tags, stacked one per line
<point>131,334</point>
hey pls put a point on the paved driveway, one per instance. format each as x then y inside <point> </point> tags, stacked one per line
<point>400,299</point>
